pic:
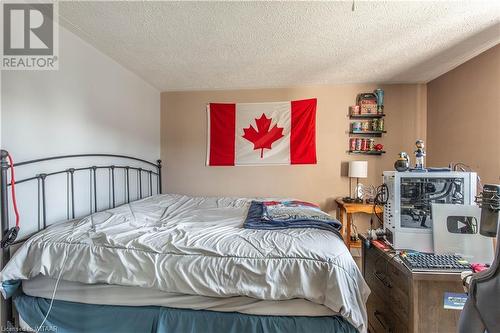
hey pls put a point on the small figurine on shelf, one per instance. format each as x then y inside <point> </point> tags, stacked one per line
<point>420,156</point>
<point>402,164</point>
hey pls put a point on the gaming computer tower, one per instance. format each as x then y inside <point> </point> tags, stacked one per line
<point>407,212</point>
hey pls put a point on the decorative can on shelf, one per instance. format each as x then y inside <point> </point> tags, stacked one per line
<point>380,125</point>
<point>365,126</point>
<point>356,126</point>
<point>364,144</point>
<point>358,144</point>
<point>375,124</point>
<point>352,144</point>
<point>354,110</point>
<point>380,100</point>
<point>367,103</point>
<point>371,144</point>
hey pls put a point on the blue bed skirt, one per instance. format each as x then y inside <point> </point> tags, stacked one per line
<point>70,317</point>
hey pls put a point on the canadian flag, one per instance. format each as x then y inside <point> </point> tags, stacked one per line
<point>262,133</point>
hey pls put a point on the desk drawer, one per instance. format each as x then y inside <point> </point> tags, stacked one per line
<point>382,319</point>
<point>400,292</point>
<point>388,282</point>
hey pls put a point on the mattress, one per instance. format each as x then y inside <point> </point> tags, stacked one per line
<point>105,294</point>
<point>196,246</point>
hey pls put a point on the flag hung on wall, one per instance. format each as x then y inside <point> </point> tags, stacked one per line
<point>262,133</point>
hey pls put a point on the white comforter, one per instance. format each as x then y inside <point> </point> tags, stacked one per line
<point>197,246</point>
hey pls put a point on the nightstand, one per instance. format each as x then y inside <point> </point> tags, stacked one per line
<point>405,301</point>
<point>349,208</point>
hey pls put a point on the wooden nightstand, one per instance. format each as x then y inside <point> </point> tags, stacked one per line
<point>405,301</point>
<point>349,208</point>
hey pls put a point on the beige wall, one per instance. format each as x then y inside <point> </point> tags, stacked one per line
<point>184,141</point>
<point>464,116</point>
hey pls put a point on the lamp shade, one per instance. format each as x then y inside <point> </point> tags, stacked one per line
<point>358,169</point>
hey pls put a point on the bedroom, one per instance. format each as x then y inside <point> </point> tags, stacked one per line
<point>154,146</point>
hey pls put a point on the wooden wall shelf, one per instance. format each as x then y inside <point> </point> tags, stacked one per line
<point>365,127</point>
<point>366,116</point>
<point>367,152</point>
<point>368,133</point>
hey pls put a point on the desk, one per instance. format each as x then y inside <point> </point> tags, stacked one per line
<point>349,208</point>
<point>405,301</point>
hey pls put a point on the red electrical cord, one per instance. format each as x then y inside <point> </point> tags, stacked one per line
<point>13,189</point>
<point>10,236</point>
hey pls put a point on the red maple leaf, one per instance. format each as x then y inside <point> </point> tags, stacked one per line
<point>263,138</point>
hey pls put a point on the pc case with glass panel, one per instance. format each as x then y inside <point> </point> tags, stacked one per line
<point>407,213</point>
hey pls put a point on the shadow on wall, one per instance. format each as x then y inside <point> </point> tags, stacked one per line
<point>344,169</point>
<point>329,205</point>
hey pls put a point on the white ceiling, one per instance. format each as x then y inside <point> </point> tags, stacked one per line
<point>228,45</point>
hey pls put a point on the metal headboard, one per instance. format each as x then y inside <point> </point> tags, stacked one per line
<point>150,170</point>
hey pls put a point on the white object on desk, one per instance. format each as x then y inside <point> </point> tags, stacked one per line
<point>447,227</point>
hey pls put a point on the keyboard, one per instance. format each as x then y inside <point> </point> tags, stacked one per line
<point>434,262</point>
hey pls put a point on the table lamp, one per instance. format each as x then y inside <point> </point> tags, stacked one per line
<point>357,169</point>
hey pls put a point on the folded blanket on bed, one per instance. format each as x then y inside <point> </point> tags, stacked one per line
<point>275,215</point>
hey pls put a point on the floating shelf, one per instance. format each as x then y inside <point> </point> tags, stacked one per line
<point>366,116</point>
<point>368,133</point>
<point>366,152</point>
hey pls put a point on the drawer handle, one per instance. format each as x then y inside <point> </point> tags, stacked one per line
<point>380,318</point>
<point>382,278</point>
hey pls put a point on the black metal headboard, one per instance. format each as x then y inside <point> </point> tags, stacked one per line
<point>149,169</point>
<point>147,172</point>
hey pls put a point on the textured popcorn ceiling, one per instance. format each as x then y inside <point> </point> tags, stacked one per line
<point>228,45</point>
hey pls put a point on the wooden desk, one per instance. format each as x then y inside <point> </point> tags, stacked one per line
<point>349,208</point>
<point>404,301</point>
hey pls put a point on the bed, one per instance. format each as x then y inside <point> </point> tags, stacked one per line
<point>176,263</point>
